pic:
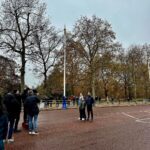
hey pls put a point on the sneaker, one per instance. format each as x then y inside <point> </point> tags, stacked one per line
<point>30,132</point>
<point>4,141</point>
<point>83,119</point>
<point>35,133</point>
<point>10,140</point>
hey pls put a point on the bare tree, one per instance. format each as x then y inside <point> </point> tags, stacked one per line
<point>20,19</point>
<point>47,45</point>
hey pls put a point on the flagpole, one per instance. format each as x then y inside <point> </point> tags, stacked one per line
<point>64,61</point>
<point>64,94</point>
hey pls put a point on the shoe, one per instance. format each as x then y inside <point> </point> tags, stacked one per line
<point>35,133</point>
<point>83,119</point>
<point>17,131</point>
<point>10,140</point>
<point>30,132</point>
<point>4,141</point>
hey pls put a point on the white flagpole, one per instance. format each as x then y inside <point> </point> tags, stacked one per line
<point>64,61</point>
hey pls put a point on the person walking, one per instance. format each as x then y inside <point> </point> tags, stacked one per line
<point>11,105</point>
<point>3,125</point>
<point>31,104</point>
<point>82,107</point>
<point>18,98</point>
<point>89,104</point>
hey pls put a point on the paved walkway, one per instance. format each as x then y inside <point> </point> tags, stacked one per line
<point>113,128</point>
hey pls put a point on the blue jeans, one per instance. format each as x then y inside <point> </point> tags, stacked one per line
<point>1,145</point>
<point>11,125</point>
<point>33,125</point>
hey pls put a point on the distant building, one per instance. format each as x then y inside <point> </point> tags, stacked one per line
<point>8,77</point>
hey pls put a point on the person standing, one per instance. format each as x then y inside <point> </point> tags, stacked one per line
<point>89,104</point>
<point>82,107</point>
<point>11,105</point>
<point>31,104</point>
<point>24,95</point>
<point>3,125</point>
<point>18,98</point>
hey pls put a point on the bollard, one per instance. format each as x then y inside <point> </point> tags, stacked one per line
<point>64,105</point>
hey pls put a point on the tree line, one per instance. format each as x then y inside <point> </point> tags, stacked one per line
<point>95,61</point>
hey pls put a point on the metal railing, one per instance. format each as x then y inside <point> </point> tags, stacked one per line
<point>46,104</point>
<point>57,104</point>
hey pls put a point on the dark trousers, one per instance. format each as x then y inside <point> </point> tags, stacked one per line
<point>90,111</point>
<point>25,119</point>
<point>82,113</point>
<point>1,145</point>
<point>11,126</point>
<point>17,121</point>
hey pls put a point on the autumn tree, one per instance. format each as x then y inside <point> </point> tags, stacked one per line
<point>94,35</point>
<point>135,58</point>
<point>146,69</point>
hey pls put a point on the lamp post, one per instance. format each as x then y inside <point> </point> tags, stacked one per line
<point>64,106</point>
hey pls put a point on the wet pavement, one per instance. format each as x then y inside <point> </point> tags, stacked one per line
<point>113,128</point>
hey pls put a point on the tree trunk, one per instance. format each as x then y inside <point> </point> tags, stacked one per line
<point>93,85</point>
<point>135,93</point>
<point>45,80</point>
<point>22,70</point>
<point>125,90</point>
<point>106,93</point>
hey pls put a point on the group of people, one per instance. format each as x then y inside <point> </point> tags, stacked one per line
<point>11,106</point>
<point>86,102</point>
<point>10,109</point>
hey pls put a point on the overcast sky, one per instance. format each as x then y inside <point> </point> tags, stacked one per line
<point>130,19</point>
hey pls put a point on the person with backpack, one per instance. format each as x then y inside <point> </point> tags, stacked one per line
<point>3,124</point>
<point>82,107</point>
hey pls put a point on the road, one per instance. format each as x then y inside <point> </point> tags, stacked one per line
<point>113,128</point>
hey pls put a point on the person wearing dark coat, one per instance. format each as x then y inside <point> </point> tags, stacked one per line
<point>11,105</point>
<point>3,124</point>
<point>24,95</point>
<point>89,104</point>
<point>31,103</point>
<point>18,98</point>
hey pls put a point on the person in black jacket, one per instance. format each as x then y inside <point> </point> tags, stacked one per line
<point>24,95</point>
<point>31,104</point>
<point>18,98</point>
<point>3,124</point>
<point>89,104</point>
<point>11,105</point>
